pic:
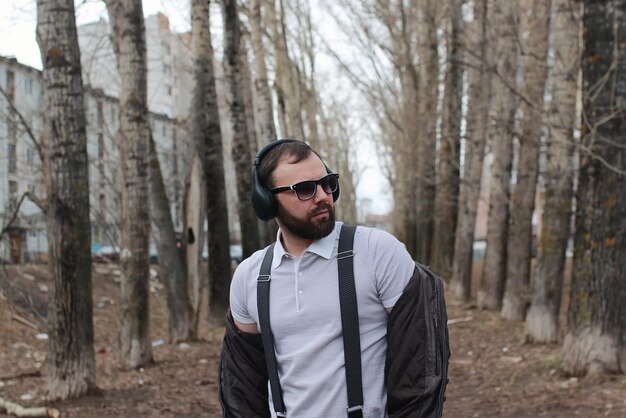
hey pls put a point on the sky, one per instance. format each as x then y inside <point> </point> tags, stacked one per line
<point>18,21</point>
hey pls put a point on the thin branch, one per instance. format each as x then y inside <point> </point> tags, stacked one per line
<point>32,198</point>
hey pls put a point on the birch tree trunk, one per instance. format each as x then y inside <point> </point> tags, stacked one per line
<point>241,152</point>
<point>535,29</point>
<point>207,138</point>
<point>264,108</point>
<point>479,96</point>
<point>502,20</point>
<point>127,25</point>
<point>70,363</point>
<point>171,268</point>
<point>427,116</point>
<point>194,209</point>
<point>596,341</point>
<point>542,321</point>
<point>447,191</point>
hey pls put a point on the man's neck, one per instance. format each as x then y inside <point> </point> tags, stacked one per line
<point>294,245</point>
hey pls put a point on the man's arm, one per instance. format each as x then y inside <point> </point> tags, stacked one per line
<point>247,328</point>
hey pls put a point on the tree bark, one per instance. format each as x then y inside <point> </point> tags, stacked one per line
<point>503,23</point>
<point>447,190</point>
<point>596,341</point>
<point>207,138</point>
<point>70,370</point>
<point>171,268</point>
<point>479,96</point>
<point>127,25</point>
<point>194,209</point>
<point>427,116</point>
<point>542,321</point>
<point>535,26</point>
<point>241,143</point>
<point>264,108</point>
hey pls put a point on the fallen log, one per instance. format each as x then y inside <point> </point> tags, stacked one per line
<point>19,411</point>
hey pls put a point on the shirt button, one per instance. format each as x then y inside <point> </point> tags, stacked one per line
<point>300,274</point>
<point>299,292</point>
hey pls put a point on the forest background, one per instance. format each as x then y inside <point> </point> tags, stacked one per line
<point>518,104</point>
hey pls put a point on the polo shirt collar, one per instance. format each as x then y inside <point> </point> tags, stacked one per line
<point>323,247</point>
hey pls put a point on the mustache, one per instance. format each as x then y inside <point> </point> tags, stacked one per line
<point>321,208</point>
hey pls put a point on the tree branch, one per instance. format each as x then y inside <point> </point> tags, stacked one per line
<point>33,199</point>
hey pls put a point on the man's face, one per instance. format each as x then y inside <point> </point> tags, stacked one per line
<point>309,219</point>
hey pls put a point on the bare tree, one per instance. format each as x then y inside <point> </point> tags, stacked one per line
<point>207,138</point>
<point>171,266</point>
<point>542,321</point>
<point>263,102</point>
<point>426,135</point>
<point>127,26</point>
<point>595,341</point>
<point>534,27</point>
<point>241,152</point>
<point>70,370</point>
<point>447,190</point>
<point>503,22</point>
<point>194,210</point>
<point>479,96</point>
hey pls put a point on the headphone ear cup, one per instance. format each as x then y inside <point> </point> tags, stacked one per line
<point>263,200</point>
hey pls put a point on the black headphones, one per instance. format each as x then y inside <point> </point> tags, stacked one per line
<point>263,200</point>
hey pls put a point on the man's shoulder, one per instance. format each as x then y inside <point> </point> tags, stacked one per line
<point>252,263</point>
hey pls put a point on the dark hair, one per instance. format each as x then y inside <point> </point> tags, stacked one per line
<point>296,151</point>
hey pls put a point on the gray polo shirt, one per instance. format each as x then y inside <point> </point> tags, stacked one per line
<point>306,320</point>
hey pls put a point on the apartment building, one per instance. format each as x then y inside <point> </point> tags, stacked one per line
<point>21,115</point>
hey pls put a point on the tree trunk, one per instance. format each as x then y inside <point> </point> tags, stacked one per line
<point>127,24</point>
<point>264,108</point>
<point>427,116</point>
<point>542,321</point>
<point>503,106</point>
<point>479,96</point>
<point>194,209</point>
<point>71,369</point>
<point>241,153</point>
<point>447,191</point>
<point>207,138</point>
<point>596,341</point>
<point>535,28</point>
<point>171,267</point>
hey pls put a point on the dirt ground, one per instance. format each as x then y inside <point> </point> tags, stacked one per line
<point>493,373</point>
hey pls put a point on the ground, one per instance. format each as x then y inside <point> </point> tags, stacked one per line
<point>493,373</point>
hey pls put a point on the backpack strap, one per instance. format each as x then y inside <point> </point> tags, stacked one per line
<point>263,307</point>
<point>350,321</point>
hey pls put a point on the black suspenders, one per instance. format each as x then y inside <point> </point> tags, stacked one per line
<point>349,323</point>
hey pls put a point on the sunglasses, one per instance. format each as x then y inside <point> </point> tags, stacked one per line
<point>306,190</point>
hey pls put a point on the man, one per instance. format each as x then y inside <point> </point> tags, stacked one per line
<point>293,184</point>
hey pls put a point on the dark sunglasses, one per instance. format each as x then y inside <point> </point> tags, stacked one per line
<point>306,190</point>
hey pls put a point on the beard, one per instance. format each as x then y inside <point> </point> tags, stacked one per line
<point>309,228</point>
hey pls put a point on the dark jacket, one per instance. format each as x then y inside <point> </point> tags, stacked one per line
<point>416,366</point>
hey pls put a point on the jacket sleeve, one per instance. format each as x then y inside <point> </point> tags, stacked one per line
<point>242,376</point>
<point>417,349</point>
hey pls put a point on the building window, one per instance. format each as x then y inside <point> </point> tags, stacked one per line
<point>12,158</point>
<point>11,85</point>
<point>30,156</point>
<point>28,86</point>
<point>169,90</point>
<point>12,195</point>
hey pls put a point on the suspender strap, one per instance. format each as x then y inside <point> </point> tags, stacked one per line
<point>350,321</point>
<point>263,306</point>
